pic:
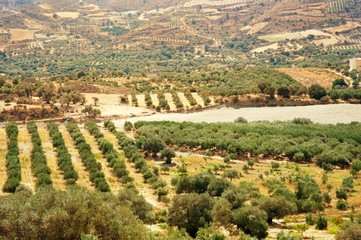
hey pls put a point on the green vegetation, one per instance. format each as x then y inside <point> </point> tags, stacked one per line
<point>115,31</point>
<point>63,156</point>
<point>72,214</point>
<point>13,167</point>
<point>112,156</point>
<point>88,158</point>
<point>134,155</point>
<point>38,160</point>
<point>241,80</point>
<point>299,141</point>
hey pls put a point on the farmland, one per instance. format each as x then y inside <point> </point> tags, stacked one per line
<point>199,33</point>
<point>180,119</point>
<point>311,76</point>
<point>121,166</point>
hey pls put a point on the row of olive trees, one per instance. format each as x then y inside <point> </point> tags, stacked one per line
<point>111,155</point>
<point>190,98</point>
<point>299,141</point>
<point>207,100</point>
<point>178,103</point>
<point>91,165</point>
<point>163,103</point>
<point>63,156</point>
<point>148,99</point>
<point>134,155</point>
<point>38,160</point>
<point>12,159</point>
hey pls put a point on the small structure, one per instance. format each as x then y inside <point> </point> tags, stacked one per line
<point>355,64</point>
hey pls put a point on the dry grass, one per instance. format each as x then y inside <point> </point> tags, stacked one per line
<point>3,151</point>
<point>56,174</point>
<point>329,39</point>
<point>309,76</point>
<point>25,147</point>
<point>343,28</point>
<point>109,105</point>
<point>155,99</point>
<point>257,27</point>
<point>21,34</point>
<point>68,14</point>
<point>273,46</point>
<point>184,100</point>
<point>141,100</point>
<point>169,98</point>
<point>45,6</point>
<point>198,99</point>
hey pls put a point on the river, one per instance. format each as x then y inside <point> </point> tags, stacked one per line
<point>332,114</point>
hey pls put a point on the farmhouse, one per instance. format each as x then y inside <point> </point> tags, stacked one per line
<point>355,64</point>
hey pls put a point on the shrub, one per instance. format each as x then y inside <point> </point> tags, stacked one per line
<point>321,223</point>
<point>241,120</point>
<point>128,126</point>
<point>167,155</point>
<point>317,92</point>
<point>251,220</point>
<point>341,205</point>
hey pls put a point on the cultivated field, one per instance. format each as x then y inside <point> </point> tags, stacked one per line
<point>279,37</point>
<point>309,76</point>
<point>21,34</point>
<point>105,142</point>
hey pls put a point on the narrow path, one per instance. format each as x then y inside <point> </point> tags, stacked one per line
<point>155,100</point>
<point>142,187</point>
<point>3,151</point>
<point>56,174</point>
<point>25,147</point>
<point>184,100</point>
<point>130,103</point>
<point>141,100</point>
<point>112,180</point>
<point>169,98</point>
<point>198,99</point>
<point>83,175</point>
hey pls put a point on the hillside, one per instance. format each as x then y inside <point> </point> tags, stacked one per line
<point>198,32</point>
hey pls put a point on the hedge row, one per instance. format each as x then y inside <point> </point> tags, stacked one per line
<point>12,159</point>
<point>148,99</point>
<point>88,158</point>
<point>110,154</point>
<point>178,103</point>
<point>63,156</point>
<point>134,155</point>
<point>163,103</point>
<point>39,165</point>
<point>207,100</point>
